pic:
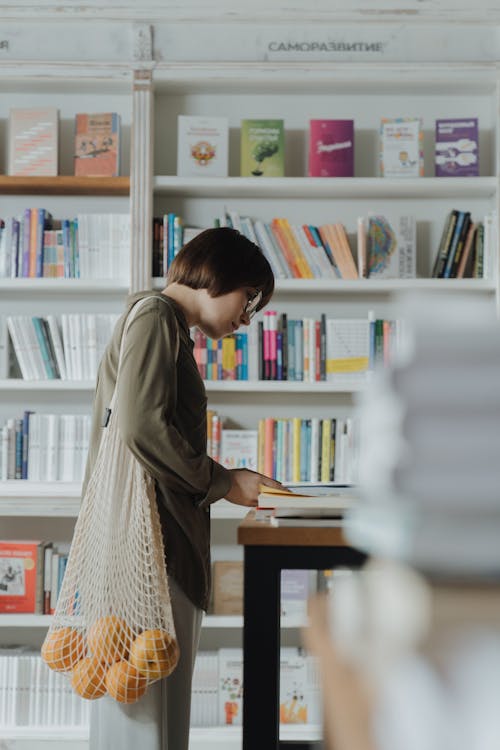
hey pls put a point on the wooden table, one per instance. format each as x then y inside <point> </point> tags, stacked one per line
<point>269,550</point>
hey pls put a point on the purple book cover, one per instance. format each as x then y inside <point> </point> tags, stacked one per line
<point>331,148</point>
<point>457,148</point>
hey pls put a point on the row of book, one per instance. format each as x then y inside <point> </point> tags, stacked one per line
<point>33,137</point>
<point>276,347</point>
<point>32,695</point>
<point>31,575</point>
<point>91,246</point>
<point>304,349</point>
<point>385,245</point>
<point>308,450</point>
<point>53,447</point>
<point>327,349</point>
<point>222,359</point>
<point>169,234</point>
<point>67,348</point>
<point>217,693</point>
<point>464,246</point>
<point>44,447</point>
<point>289,449</point>
<point>203,147</point>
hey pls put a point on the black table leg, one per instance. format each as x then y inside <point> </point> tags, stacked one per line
<point>261,633</point>
<point>261,649</point>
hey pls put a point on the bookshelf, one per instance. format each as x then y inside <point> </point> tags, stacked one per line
<point>150,94</point>
<point>48,510</point>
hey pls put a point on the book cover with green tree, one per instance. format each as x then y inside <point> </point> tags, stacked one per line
<point>262,148</point>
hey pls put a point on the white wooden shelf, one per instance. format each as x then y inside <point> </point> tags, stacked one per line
<point>45,734</point>
<point>372,286</point>
<point>385,286</point>
<point>282,386</point>
<point>18,384</point>
<point>76,286</point>
<point>314,188</point>
<point>211,622</point>
<point>241,386</point>
<point>200,738</point>
<point>231,737</point>
<point>21,497</point>
<point>39,499</point>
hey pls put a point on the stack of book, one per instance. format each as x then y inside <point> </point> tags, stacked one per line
<point>430,443</point>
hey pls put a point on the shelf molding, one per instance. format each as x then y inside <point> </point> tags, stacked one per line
<point>141,188</point>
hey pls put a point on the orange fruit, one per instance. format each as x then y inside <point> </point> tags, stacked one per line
<point>125,683</point>
<point>109,638</point>
<point>62,649</point>
<point>154,653</point>
<point>88,678</point>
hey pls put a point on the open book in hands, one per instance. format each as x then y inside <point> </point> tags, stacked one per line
<point>301,504</point>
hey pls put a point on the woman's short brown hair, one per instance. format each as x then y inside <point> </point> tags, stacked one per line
<point>221,260</point>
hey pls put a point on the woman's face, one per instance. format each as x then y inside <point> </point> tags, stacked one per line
<point>220,316</point>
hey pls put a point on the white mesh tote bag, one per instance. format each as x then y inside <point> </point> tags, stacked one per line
<point>113,631</point>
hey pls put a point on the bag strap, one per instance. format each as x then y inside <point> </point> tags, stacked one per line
<point>130,317</point>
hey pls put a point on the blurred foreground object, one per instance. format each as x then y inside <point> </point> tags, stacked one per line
<point>430,444</point>
<point>409,646</point>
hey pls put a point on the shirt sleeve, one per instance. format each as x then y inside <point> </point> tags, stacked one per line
<point>146,406</point>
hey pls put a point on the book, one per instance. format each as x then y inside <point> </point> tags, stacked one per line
<point>286,500</point>
<point>21,576</point>
<point>97,144</point>
<point>4,349</point>
<point>293,707</point>
<point>444,244</point>
<point>456,244</point>
<point>457,148</point>
<point>401,147</point>
<point>202,146</point>
<point>239,449</point>
<point>347,347</point>
<point>230,686</point>
<point>262,148</point>
<point>391,246</point>
<point>334,237</point>
<point>331,148</point>
<point>33,142</point>
<point>228,587</point>
<point>295,591</point>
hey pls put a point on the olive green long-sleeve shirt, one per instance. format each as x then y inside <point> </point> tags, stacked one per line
<point>161,412</point>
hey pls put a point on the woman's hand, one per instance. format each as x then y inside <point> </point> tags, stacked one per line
<point>245,486</point>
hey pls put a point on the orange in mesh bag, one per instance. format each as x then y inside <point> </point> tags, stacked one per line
<point>113,630</point>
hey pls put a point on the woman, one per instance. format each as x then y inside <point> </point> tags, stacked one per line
<point>217,282</point>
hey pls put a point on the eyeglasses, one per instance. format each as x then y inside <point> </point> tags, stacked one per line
<point>252,304</point>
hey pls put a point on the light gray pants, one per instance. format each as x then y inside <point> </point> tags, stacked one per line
<point>160,720</point>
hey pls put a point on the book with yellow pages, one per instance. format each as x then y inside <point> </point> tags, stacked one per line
<point>300,504</point>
